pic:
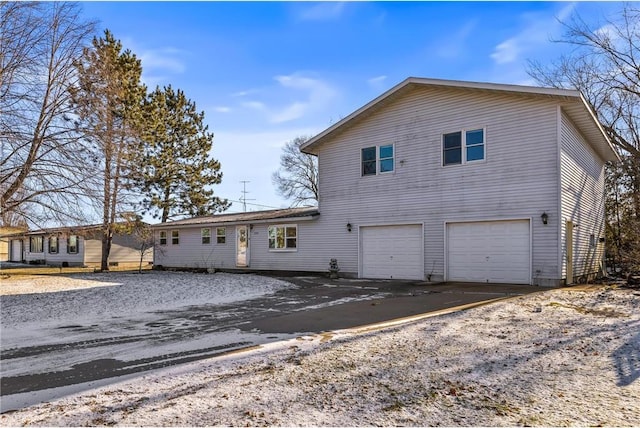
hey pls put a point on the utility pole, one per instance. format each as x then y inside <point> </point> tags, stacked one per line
<point>243,198</point>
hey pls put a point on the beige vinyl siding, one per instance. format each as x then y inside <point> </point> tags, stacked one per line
<point>517,179</point>
<point>123,250</point>
<point>582,187</point>
<point>61,256</point>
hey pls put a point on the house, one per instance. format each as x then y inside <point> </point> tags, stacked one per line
<point>435,180</point>
<point>4,242</point>
<point>73,246</point>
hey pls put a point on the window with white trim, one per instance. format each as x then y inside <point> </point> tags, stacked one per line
<point>377,160</point>
<point>163,237</point>
<point>283,237</point>
<point>221,235</point>
<point>462,147</point>
<point>72,244</point>
<point>36,244</point>
<point>205,234</point>
<point>175,237</point>
<point>53,245</point>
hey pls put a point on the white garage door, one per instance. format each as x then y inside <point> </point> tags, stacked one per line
<point>392,252</point>
<point>489,251</point>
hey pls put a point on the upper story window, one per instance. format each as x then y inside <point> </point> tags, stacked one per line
<point>53,244</point>
<point>462,147</point>
<point>175,237</point>
<point>221,235</point>
<point>206,235</point>
<point>36,244</point>
<point>377,160</point>
<point>283,237</point>
<point>72,244</point>
<point>163,237</point>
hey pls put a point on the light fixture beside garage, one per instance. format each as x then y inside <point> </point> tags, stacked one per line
<point>349,227</point>
<point>545,218</point>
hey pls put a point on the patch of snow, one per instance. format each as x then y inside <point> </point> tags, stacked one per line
<point>559,358</point>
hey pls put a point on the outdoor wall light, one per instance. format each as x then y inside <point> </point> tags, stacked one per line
<point>349,227</point>
<point>545,218</point>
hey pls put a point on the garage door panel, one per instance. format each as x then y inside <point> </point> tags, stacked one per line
<point>497,251</point>
<point>392,252</point>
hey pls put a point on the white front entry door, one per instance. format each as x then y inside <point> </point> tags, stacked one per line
<point>16,250</point>
<point>489,251</point>
<point>392,252</point>
<point>242,246</point>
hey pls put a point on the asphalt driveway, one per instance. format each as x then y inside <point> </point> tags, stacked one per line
<point>317,305</point>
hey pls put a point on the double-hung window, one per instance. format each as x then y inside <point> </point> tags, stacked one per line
<point>221,235</point>
<point>163,237</point>
<point>462,147</point>
<point>377,160</point>
<point>72,244</point>
<point>284,237</point>
<point>205,235</point>
<point>36,244</point>
<point>175,237</point>
<point>53,244</point>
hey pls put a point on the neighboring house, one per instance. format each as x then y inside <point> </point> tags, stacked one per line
<point>73,246</point>
<point>4,242</point>
<point>441,181</point>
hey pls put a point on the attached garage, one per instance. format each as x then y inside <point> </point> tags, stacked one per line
<point>489,251</point>
<point>392,252</point>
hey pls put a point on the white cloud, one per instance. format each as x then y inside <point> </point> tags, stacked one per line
<point>322,11</point>
<point>222,109</point>
<point>453,46</point>
<point>536,32</point>
<point>376,81</point>
<point>318,95</point>
<point>256,105</point>
<point>166,59</point>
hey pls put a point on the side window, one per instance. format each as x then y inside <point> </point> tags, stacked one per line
<point>53,245</point>
<point>369,161</point>
<point>36,244</point>
<point>175,237</point>
<point>206,235</point>
<point>72,244</point>
<point>163,237</point>
<point>221,235</point>
<point>462,147</point>
<point>283,237</point>
<point>386,158</point>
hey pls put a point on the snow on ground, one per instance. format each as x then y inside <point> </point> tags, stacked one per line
<point>559,358</point>
<point>115,293</point>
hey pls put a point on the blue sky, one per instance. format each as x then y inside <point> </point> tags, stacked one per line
<point>267,72</point>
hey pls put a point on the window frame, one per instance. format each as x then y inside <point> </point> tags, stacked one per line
<point>57,246</point>
<point>175,237</point>
<point>285,238</point>
<point>162,238</point>
<point>76,247</point>
<point>464,147</point>
<point>378,160</point>
<point>206,237</point>
<point>39,240</point>
<point>221,238</point>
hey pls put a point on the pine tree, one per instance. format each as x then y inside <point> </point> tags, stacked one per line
<point>108,100</point>
<point>177,170</point>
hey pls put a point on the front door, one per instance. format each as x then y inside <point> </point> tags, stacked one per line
<point>16,251</point>
<point>242,246</point>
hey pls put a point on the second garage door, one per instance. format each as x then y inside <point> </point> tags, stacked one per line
<point>392,252</point>
<point>489,251</point>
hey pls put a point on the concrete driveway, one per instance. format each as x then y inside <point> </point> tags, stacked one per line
<point>318,305</point>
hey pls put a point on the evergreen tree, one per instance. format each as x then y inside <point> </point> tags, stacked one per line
<point>108,100</point>
<point>177,170</point>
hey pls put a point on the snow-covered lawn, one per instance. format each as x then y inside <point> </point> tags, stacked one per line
<point>560,357</point>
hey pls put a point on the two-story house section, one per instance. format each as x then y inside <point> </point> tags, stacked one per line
<point>463,181</point>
